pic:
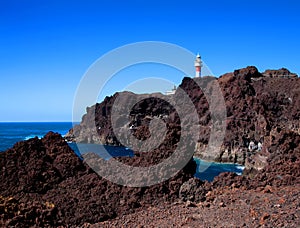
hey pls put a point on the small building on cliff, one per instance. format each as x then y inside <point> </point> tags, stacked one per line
<point>171,91</point>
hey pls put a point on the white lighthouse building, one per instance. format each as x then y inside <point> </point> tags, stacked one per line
<point>198,65</point>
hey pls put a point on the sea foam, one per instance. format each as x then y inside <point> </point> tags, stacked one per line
<point>33,136</point>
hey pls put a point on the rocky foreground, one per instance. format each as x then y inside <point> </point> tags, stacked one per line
<point>231,207</point>
<point>268,198</point>
<point>44,184</point>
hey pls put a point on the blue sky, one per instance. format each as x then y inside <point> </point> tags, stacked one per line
<point>47,46</point>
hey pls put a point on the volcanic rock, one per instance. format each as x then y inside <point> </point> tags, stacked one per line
<point>193,190</point>
<point>281,73</point>
<point>255,104</point>
<point>44,183</point>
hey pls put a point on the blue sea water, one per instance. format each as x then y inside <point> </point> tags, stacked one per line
<point>10,133</point>
<point>208,170</point>
<point>104,151</point>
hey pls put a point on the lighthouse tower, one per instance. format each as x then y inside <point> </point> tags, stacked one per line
<point>198,65</point>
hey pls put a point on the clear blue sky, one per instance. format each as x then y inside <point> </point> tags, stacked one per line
<point>47,46</point>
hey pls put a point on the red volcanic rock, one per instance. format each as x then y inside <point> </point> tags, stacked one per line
<point>282,171</point>
<point>193,190</point>
<point>14,213</point>
<point>35,166</point>
<point>281,73</point>
<point>255,104</point>
<point>282,167</point>
<point>283,163</point>
<point>51,186</point>
<point>247,73</point>
<point>230,208</point>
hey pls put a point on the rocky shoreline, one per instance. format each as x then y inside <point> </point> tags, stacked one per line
<point>44,184</point>
<point>256,105</point>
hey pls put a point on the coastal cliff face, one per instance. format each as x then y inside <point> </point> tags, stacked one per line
<point>256,104</point>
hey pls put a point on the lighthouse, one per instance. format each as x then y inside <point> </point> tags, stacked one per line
<point>198,65</point>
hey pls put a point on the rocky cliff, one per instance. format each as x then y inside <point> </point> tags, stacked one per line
<point>256,104</point>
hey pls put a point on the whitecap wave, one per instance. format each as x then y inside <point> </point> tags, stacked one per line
<point>33,136</point>
<point>240,168</point>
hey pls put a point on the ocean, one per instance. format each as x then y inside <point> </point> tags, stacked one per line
<point>10,133</point>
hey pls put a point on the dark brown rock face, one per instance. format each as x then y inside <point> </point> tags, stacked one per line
<point>193,190</point>
<point>282,163</point>
<point>51,186</point>
<point>281,73</point>
<point>255,104</point>
<point>282,169</point>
